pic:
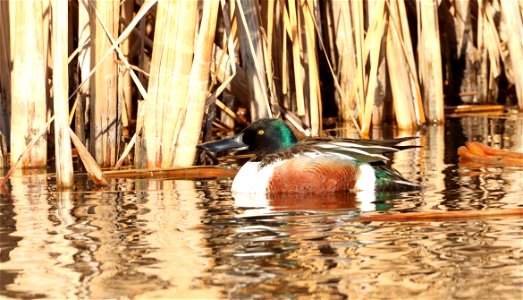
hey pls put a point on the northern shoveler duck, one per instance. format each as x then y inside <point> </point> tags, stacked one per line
<point>282,164</point>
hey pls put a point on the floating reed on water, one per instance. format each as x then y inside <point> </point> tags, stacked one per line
<point>149,71</point>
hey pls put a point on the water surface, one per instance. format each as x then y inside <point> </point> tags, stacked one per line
<point>143,238</point>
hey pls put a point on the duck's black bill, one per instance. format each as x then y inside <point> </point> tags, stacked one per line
<point>232,143</point>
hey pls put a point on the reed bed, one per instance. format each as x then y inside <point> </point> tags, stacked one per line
<point>152,74</point>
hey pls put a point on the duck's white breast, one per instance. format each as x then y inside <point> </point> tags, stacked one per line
<point>253,179</point>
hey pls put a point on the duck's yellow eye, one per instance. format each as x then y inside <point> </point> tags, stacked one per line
<point>261,132</point>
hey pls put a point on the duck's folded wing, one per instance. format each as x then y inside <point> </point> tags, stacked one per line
<point>361,151</point>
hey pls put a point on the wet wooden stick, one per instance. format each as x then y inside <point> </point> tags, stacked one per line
<point>195,172</point>
<point>444,216</point>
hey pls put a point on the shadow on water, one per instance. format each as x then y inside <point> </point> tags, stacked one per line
<point>144,238</point>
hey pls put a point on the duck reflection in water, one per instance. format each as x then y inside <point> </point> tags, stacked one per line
<point>361,201</point>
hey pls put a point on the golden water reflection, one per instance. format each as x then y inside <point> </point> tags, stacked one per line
<point>137,240</point>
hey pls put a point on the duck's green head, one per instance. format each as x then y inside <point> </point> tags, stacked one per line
<point>262,137</point>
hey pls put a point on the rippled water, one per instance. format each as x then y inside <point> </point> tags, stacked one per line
<point>145,238</point>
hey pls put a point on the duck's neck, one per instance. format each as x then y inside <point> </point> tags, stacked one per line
<point>287,138</point>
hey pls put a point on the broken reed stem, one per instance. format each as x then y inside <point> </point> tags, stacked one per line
<point>512,15</point>
<point>282,48</point>
<point>313,80</point>
<point>231,76</point>
<point>122,56</point>
<point>146,40</point>
<point>408,52</point>
<point>185,149</point>
<point>125,85</point>
<point>126,152</point>
<point>359,88</point>
<point>252,57</point>
<point>299,76</point>
<point>132,74</point>
<point>267,35</point>
<point>373,47</point>
<point>28,81</point>
<point>148,4</point>
<point>5,82</point>
<point>84,68</point>
<point>93,169</point>
<point>86,73</point>
<point>429,60</point>
<point>63,155</point>
<point>347,64</point>
<point>168,85</point>
<point>104,113</point>
<point>403,89</point>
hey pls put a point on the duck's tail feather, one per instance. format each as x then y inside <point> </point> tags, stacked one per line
<point>388,179</point>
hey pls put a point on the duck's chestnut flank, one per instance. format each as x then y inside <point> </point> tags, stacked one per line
<point>313,175</point>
